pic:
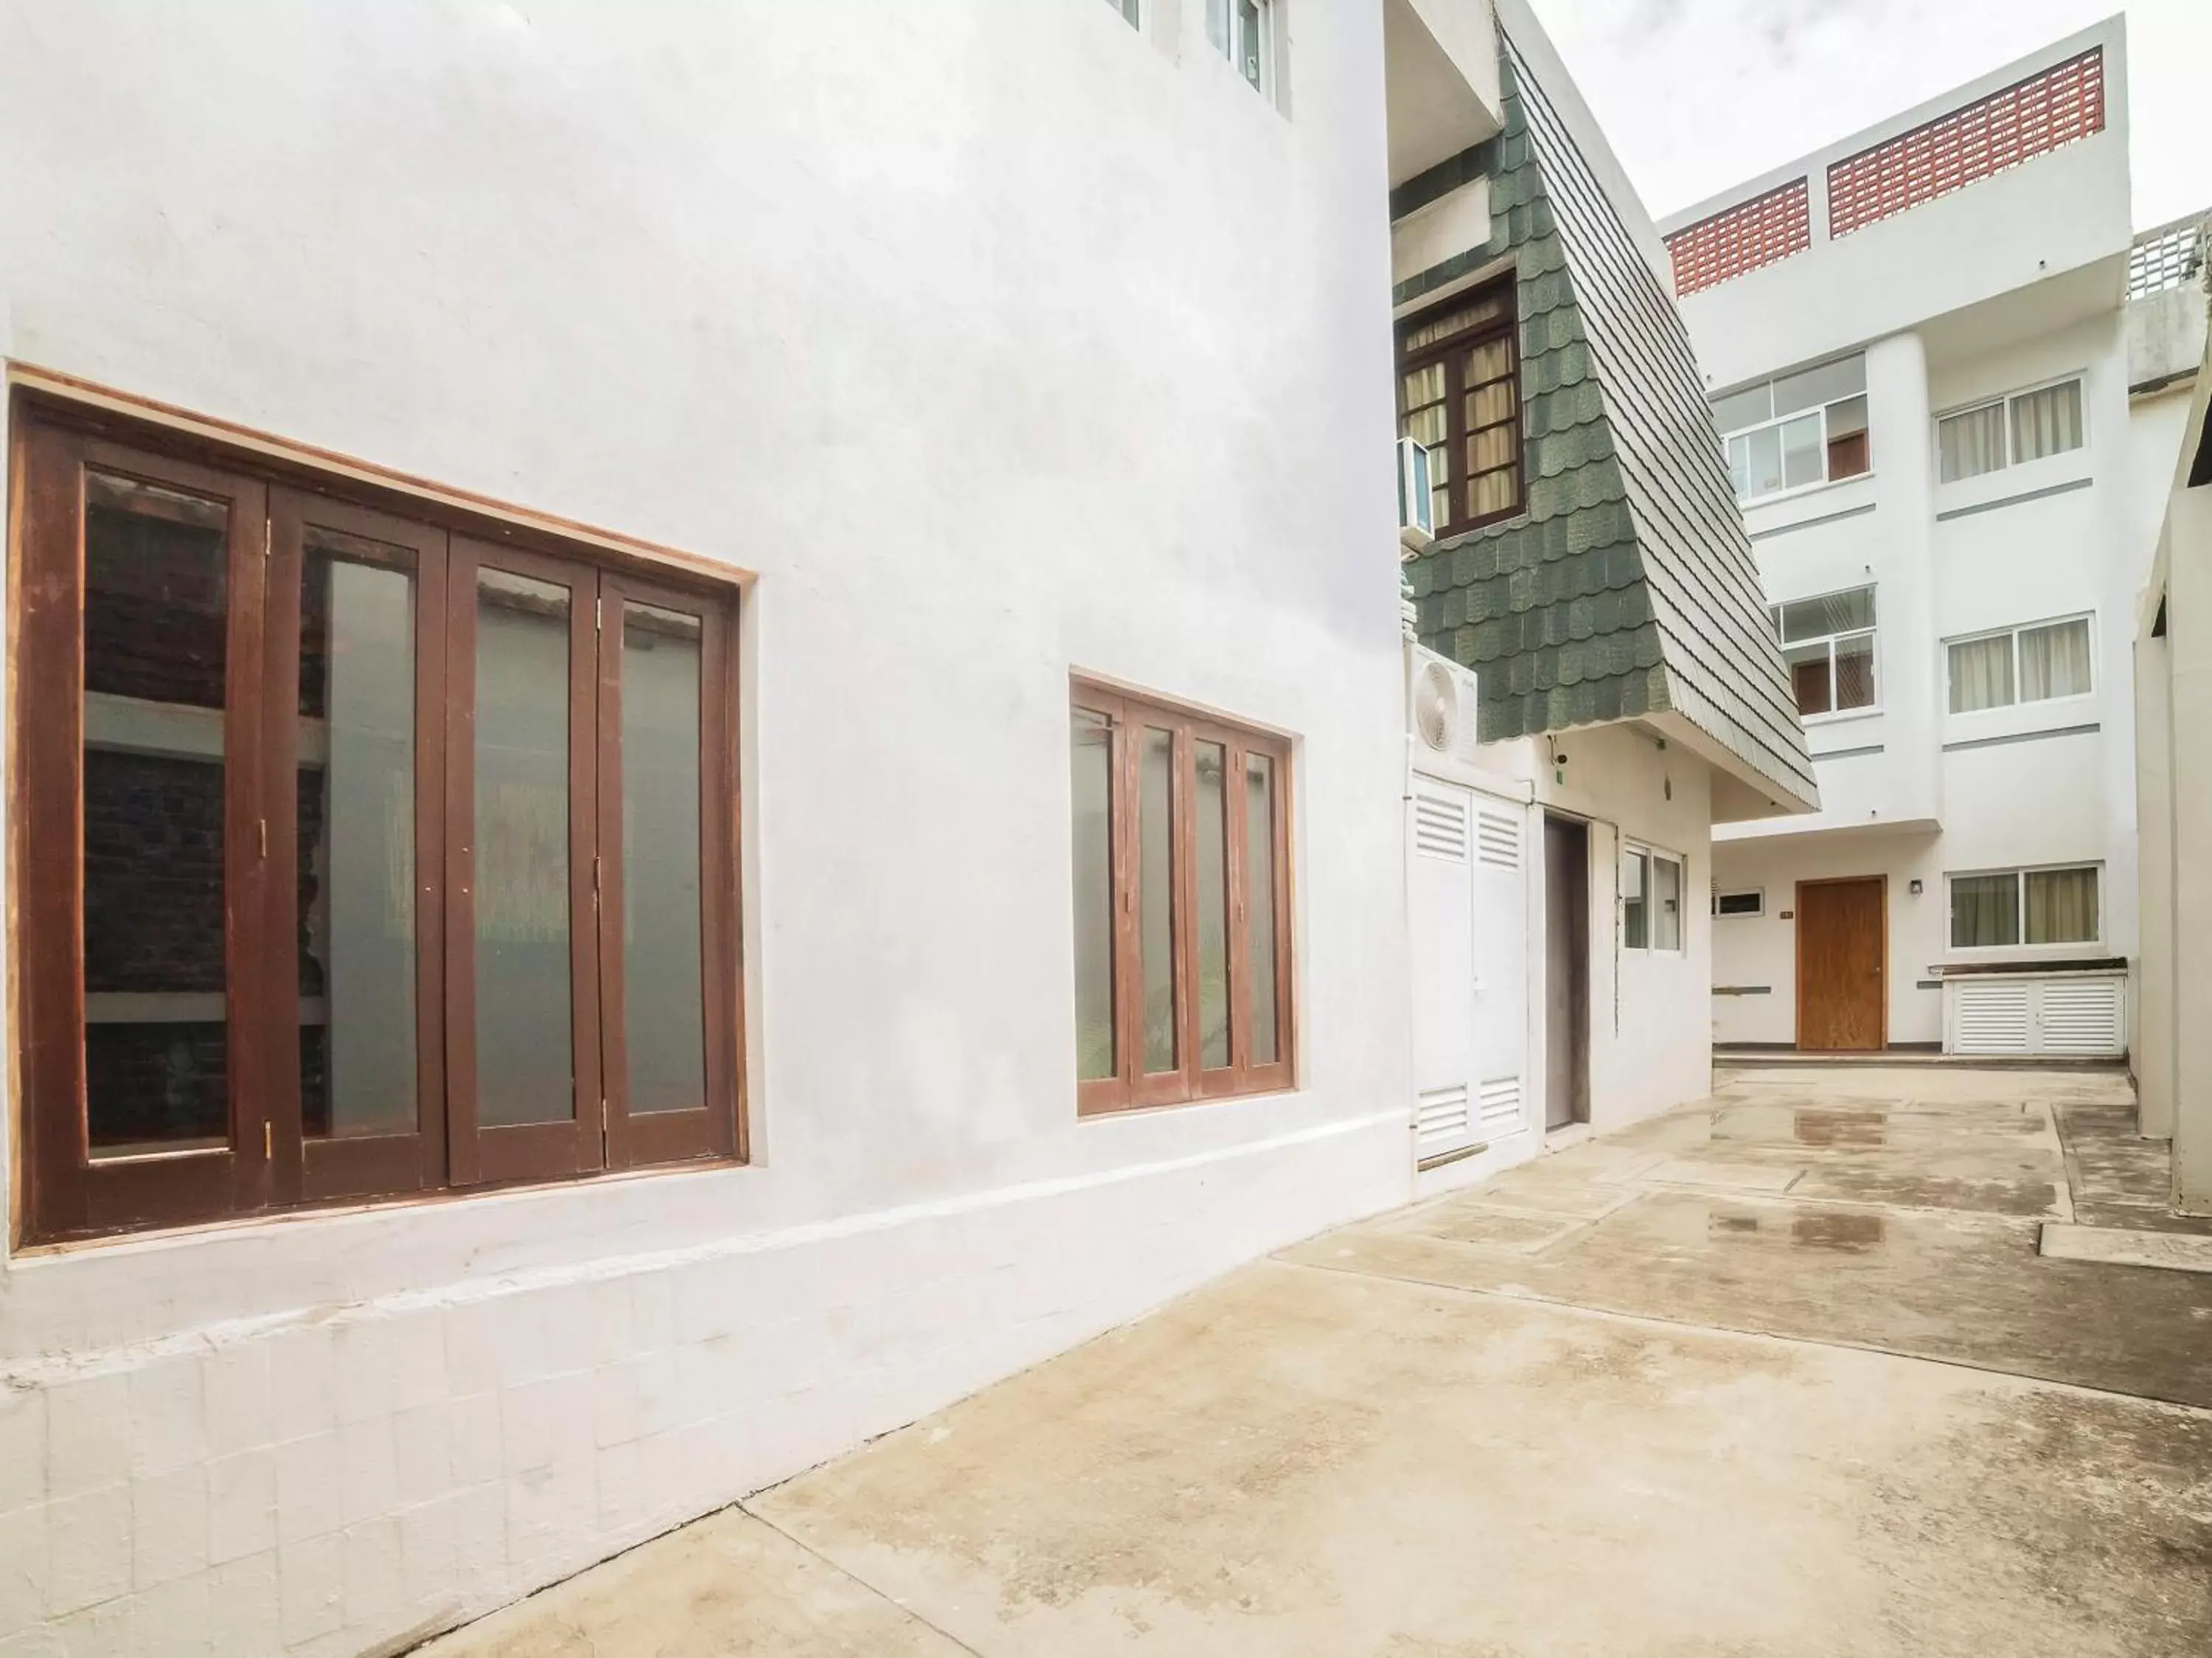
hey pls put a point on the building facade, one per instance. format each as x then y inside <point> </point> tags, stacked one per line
<point>1591,578</point>
<point>2173,766</point>
<point>708,740</point>
<point>1917,348</point>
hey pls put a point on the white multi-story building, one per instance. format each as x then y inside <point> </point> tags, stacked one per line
<point>1917,345</point>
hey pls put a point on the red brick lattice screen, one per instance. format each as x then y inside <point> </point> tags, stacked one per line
<point>2028,119</point>
<point>1740,238</point>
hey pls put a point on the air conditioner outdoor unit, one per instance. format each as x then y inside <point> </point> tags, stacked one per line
<point>1440,706</point>
<point>1417,525</point>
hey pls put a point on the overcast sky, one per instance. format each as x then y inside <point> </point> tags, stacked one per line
<point>1698,94</point>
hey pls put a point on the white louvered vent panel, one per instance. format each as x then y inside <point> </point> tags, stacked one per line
<point>1441,1116</point>
<point>1498,1104</point>
<point>1440,827</point>
<point>1497,838</point>
<point>2081,1016</point>
<point>1993,1018</point>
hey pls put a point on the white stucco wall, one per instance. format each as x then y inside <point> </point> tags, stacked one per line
<point>997,341</point>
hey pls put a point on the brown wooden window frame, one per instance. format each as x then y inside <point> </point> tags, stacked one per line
<point>1450,351</point>
<point>270,1163</point>
<point>1129,1088</point>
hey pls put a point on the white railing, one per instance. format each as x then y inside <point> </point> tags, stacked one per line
<point>2166,257</point>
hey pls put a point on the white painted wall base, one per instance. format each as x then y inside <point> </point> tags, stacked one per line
<point>329,1480</point>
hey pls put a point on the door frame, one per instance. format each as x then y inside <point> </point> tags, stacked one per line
<point>1881,882</point>
<point>1578,930</point>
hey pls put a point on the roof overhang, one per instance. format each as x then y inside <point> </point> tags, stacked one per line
<point>1440,81</point>
<point>1741,792</point>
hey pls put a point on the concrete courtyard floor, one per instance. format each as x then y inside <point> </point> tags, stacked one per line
<point>1782,1373</point>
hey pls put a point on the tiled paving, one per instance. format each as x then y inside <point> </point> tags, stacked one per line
<point>1780,1374</point>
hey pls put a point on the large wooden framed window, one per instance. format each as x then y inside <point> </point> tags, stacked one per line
<point>1181,860</point>
<point>361,851</point>
<point>1458,396</point>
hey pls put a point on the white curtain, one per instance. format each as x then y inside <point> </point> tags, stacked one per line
<point>2048,421</point>
<point>1969,444</point>
<point>1984,911</point>
<point>2054,662</point>
<point>1981,673</point>
<point>2062,907</point>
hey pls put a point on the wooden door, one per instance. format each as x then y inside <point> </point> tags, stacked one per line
<point>1843,945</point>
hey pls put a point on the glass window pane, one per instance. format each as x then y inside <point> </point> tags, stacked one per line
<point>1492,360</point>
<point>1489,306</point>
<point>1155,895</point>
<point>1422,387</point>
<point>1831,381</point>
<point>156,618</point>
<point>1260,903</point>
<point>1492,404</point>
<point>1738,460</point>
<point>2054,661</point>
<point>1091,753</point>
<point>1493,493</point>
<point>1981,673</point>
<point>1487,451</point>
<point>1635,922</point>
<point>1802,456</point>
<point>1969,444</point>
<point>2062,907</point>
<point>663,944</point>
<point>1849,455</point>
<point>1763,462</point>
<point>1809,678</point>
<point>1251,42</point>
<point>524,1066</point>
<point>356,830</point>
<point>1984,911</point>
<point>1748,407</point>
<point>1832,612</point>
<point>1667,905</point>
<point>2048,421</point>
<point>1854,671</point>
<point>1212,905</point>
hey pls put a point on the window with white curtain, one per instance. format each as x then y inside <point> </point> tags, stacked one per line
<point>2000,908</point>
<point>1828,643</point>
<point>2029,664</point>
<point>2009,432</point>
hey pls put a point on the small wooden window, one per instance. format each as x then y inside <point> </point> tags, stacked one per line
<point>1181,858</point>
<point>361,853</point>
<point>1458,396</point>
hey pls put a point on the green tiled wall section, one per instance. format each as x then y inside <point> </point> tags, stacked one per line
<point>1628,586</point>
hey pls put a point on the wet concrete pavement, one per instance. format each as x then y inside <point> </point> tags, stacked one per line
<point>1781,1374</point>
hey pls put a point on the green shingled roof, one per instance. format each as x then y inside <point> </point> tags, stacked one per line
<point>1628,586</point>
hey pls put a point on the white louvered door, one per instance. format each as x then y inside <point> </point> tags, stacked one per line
<point>1442,893</point>
<point>1501,965</point>
<point>1469,930</point>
